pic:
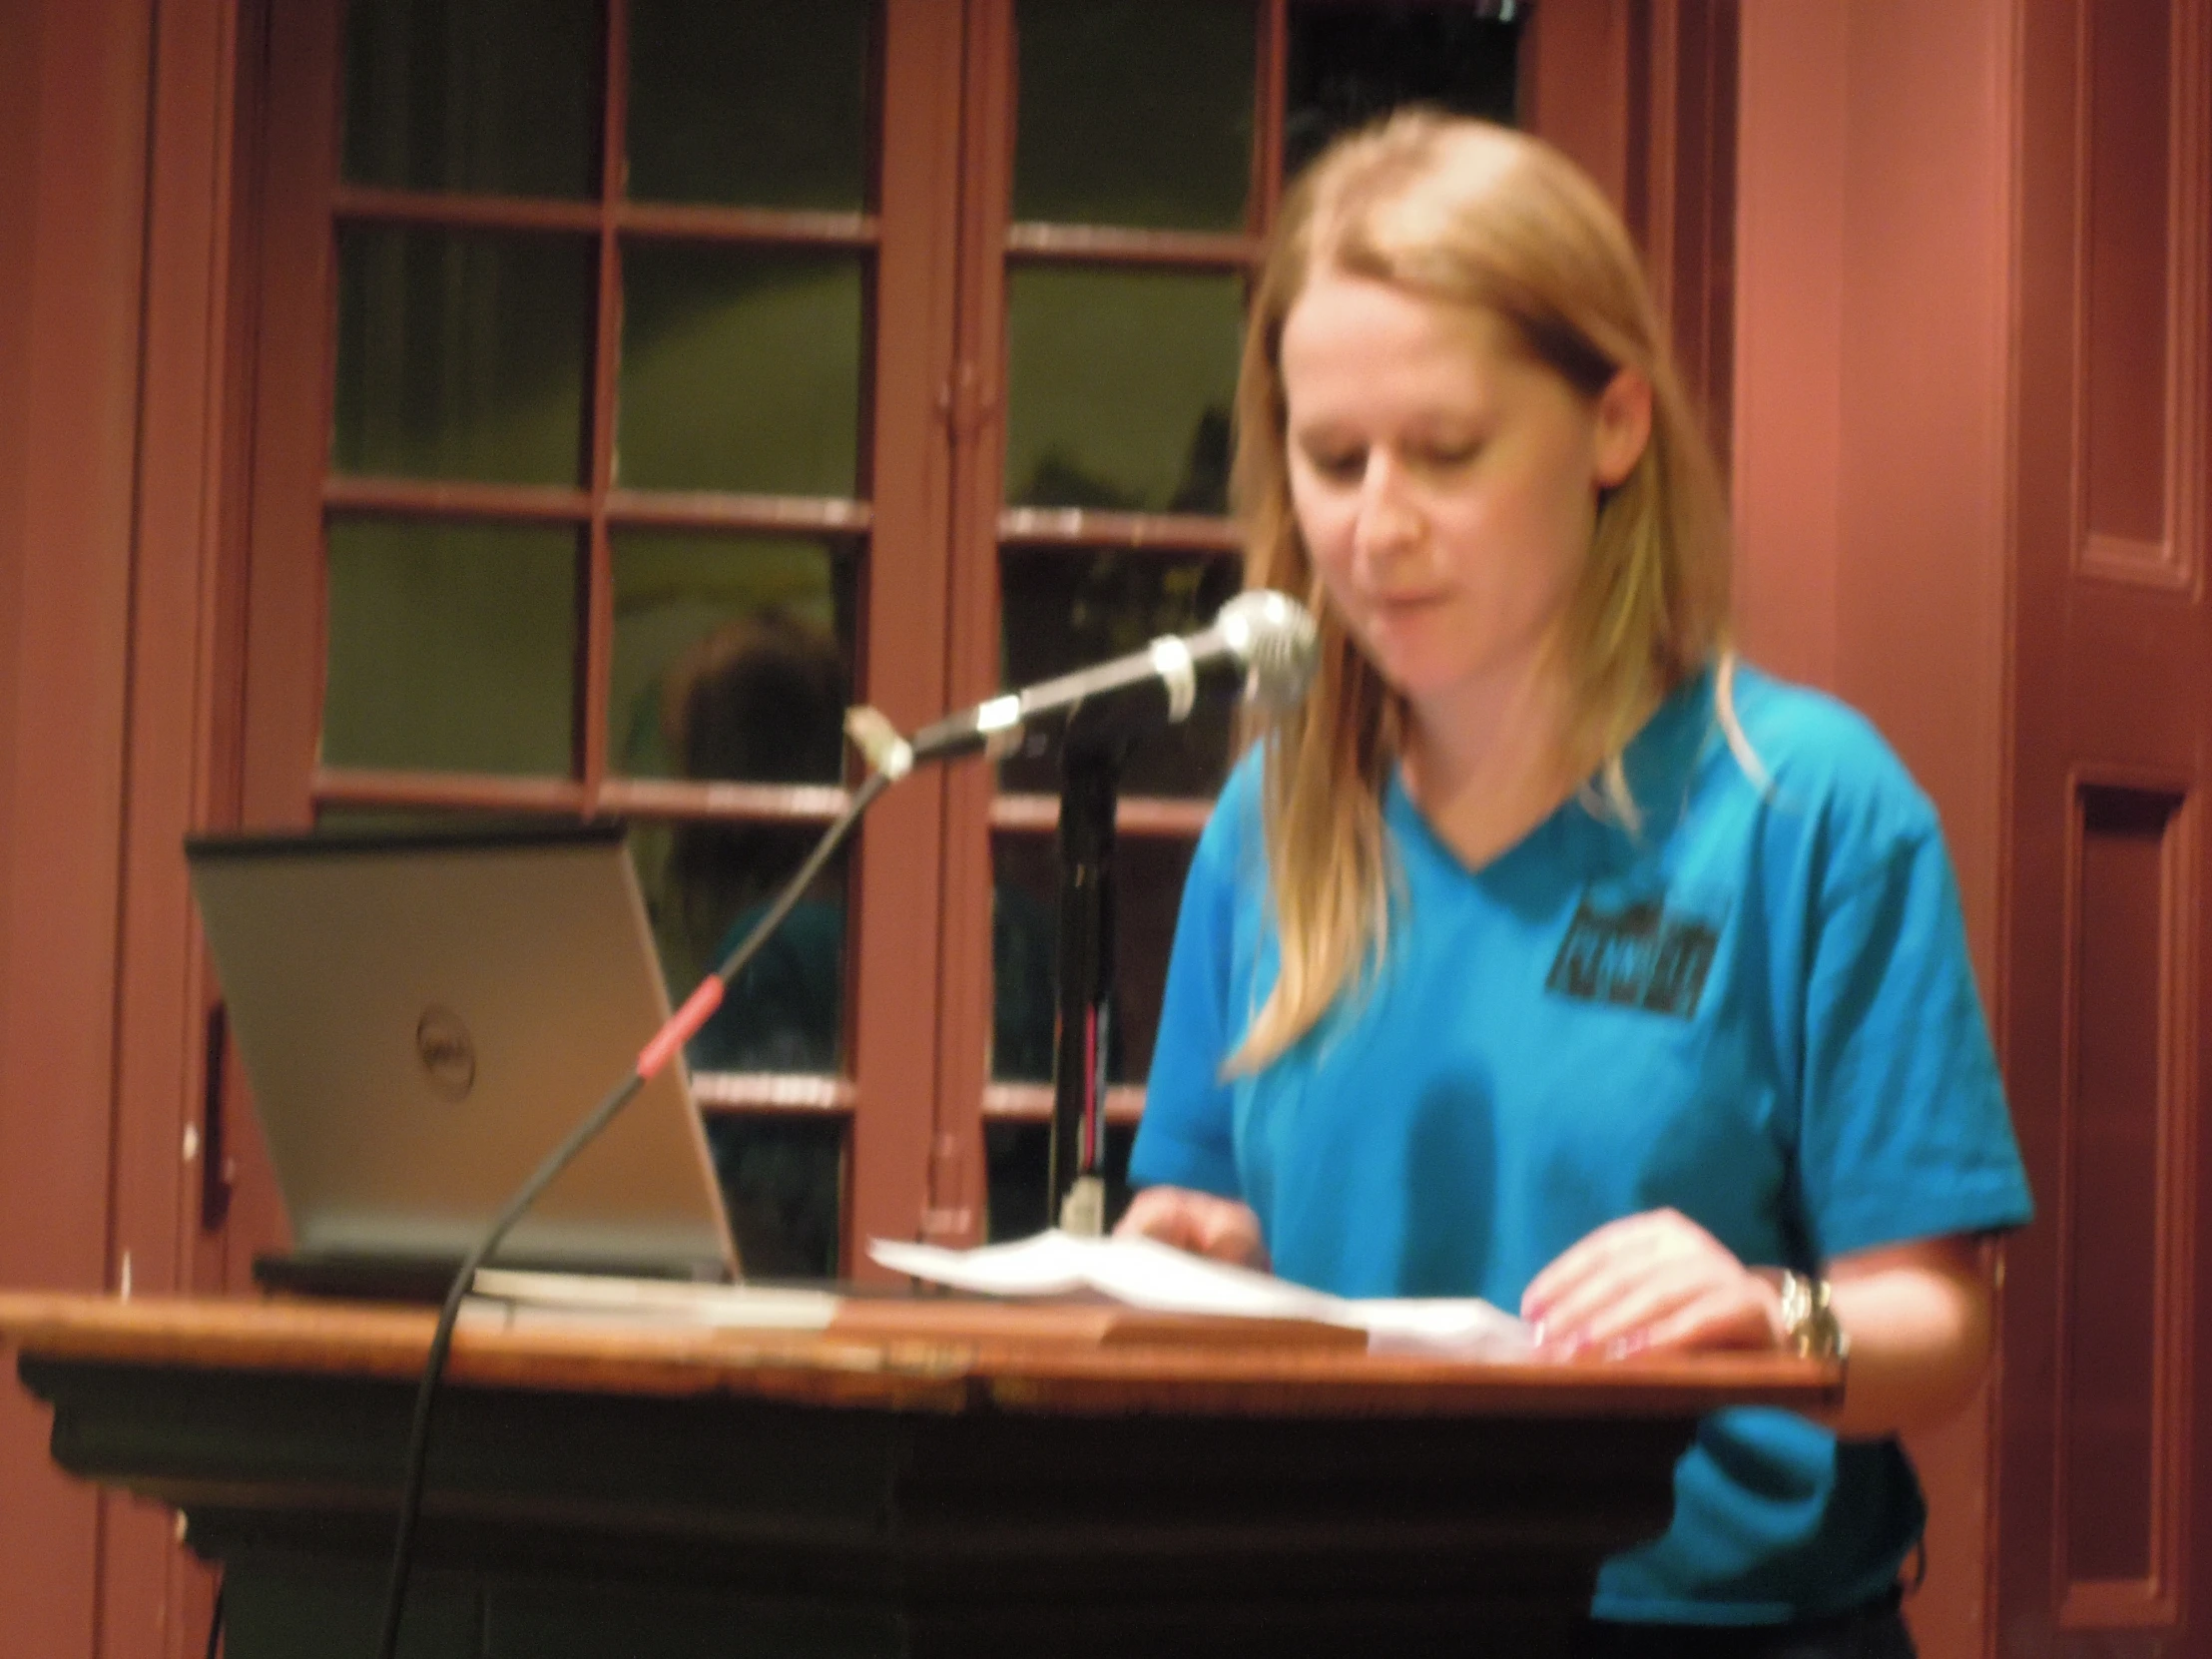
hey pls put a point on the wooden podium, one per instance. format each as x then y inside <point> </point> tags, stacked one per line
<point>940,1477</point>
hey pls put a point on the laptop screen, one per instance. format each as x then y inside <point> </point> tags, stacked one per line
<point>425,1018</point>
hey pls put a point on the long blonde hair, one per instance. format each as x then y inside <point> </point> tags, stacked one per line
<point>1472,215</point>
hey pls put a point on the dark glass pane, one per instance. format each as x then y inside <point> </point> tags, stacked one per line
<point>453,647</point>
<point>706,882</point>
<point>1061,610</point>
<point>1025,890</point>
<point>1019,1155</point>
<point>1135,113</point>
<point>733,656</point>
<point>784,1181</point>
<point>741,370</point>
<point>1119,386</point>
<point>497,96</point>
<point>341,820</point>
<point>1351,62</point>
<point>461,354</point>
<point>762,104</point>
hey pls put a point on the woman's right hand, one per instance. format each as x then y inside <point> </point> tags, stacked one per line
<point>1197,1222</point>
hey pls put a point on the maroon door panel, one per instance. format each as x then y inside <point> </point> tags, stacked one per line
<point>2107,1036</point>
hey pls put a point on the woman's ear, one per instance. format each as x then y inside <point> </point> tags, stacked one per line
<point>1623,425</point>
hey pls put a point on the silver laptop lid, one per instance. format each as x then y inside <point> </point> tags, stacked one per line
<point>424,1019</point>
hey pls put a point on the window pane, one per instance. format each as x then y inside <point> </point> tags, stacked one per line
<point>1020,1160</point>
<point>1061,610</point>
<point>338,818</point>
<point>1025,888</point>
<point>453,647</point>
<point>1350,63</point>
<point>741,370</point>
<point>461,354</point>
<point>706,882</point>
<point>1119,385</point>
<point>762,104</point>
<point>1135,113</point>
<point>784,1180</point>
<point>498,96</point>
<point>733,656</point>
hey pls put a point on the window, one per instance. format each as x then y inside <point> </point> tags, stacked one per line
<point>654,378</point>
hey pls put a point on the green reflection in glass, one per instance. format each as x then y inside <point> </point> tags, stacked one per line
<point>1019,1158</point>
<point>1149,871</point>
<point>733,656</point>
<point>461,354</point>
<point>706,882</point>
<point>1135,113</point>
<point>1351,64</point>
<point>762,104</point>
<point>1119,386</point>
<point>741,370</point>
<point>1063,609</point>
<point>784,1180</point>
<point>453,647</point>
<point>402,822</point>
<point>497,96</point>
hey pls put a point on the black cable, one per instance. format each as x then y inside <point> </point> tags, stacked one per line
<point>214,1623</point>
<point>441,1340</point>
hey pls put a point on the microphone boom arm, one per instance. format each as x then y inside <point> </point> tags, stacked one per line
<point>1266,636</point>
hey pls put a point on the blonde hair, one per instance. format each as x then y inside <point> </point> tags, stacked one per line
<point>1463,213</point>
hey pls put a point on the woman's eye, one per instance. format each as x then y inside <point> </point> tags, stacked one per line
<point>1340,467</point>
<point>1444,458</point>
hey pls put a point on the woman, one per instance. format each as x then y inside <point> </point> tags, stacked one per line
<point>1544,955</point>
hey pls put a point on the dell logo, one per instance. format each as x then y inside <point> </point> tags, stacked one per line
<point>447,1052</point>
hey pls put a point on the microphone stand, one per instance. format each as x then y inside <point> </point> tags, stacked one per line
<point>1091,758</point>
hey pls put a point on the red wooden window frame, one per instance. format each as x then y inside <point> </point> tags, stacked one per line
<point>303,201</point>
<point>990,242</point>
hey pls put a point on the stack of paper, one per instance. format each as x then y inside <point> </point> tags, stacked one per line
<point>1143,1272</point>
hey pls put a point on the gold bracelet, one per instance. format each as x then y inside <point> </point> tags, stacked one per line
<point>1809,1328</point>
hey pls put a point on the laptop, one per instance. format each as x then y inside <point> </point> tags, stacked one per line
<point>422,1019</point>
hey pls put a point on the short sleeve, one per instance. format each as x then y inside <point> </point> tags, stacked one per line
<point>1186,1138</point>
<point>1903,1132</point>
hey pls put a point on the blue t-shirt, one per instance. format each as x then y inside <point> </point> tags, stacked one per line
<point>1756,1009</point>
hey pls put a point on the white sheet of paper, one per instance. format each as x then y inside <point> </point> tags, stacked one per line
<point>1143,1272</point>
<point>1462,1326</point>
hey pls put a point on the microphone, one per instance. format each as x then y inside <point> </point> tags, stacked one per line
<point>1266,636</point>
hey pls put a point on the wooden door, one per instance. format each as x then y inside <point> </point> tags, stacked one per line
<point>2104,1476</point>
<point>598,356</point>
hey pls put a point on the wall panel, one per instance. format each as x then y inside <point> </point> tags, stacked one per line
<point>1874,270</point>
<point>2124,1309</point>
<point>2139,123</point>
<point>74,189</point>
<point>2127,169</point>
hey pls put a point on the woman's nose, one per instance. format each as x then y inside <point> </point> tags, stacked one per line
<point>1389,521</point>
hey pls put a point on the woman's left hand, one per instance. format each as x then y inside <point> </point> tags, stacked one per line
<point>1647,1282</point>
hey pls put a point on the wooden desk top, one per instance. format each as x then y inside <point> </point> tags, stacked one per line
<point>945,1357</point>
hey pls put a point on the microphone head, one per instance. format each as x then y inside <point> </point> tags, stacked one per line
<point>1274,637</point>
